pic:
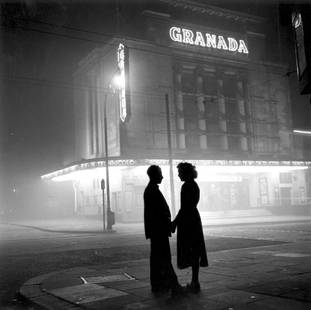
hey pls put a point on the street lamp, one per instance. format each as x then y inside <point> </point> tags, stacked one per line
<point>114,83</point>
<point>117,82</point>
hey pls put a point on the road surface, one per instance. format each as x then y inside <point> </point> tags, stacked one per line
<point>27,252</point>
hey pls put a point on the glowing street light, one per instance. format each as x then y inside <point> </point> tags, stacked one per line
<point>302,132</point>
<point>118,81</point>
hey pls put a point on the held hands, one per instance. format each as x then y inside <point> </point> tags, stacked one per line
<point>173,226</point>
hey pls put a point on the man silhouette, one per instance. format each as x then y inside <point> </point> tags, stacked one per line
<point>157,219</point>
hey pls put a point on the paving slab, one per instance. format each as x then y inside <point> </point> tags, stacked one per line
<point>51,303</point>
<point>129,285</point>
<point>121,302</point>
<point>31,291</point>
<point>85,293</point>
<point>247,278</point>
<point>59,281</point>
<point>234,297</point>
<point>275,304</point>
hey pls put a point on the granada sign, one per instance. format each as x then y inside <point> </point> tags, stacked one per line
<point>210,40</point>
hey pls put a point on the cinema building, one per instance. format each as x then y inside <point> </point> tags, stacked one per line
<point>210,92</point>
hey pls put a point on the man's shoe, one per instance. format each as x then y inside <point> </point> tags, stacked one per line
<point>193,287</point>
<point>159,289</point>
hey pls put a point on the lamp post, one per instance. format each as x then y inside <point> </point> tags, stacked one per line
<point>118,81</point>
<point>170,157</point>
<point>110,214</point>
<point>102,186</point>
<point>115,81</point>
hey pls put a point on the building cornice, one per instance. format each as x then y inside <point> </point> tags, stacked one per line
<point>215,11</point>
<point>94,57</point>
<point>99,163</point>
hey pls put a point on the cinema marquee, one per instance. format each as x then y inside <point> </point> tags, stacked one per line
<point>209,40</point>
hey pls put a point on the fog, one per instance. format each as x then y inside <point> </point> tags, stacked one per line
<point>56,59</point>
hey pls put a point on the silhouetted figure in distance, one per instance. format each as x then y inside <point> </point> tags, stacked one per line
<point>157,220</point>
<point>190,239</point>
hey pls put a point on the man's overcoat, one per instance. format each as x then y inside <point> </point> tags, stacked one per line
<point>157,215</point>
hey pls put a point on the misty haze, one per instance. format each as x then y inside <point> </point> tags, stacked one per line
<point>93,93</point>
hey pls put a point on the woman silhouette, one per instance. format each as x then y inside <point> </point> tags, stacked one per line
<point>190,239</point>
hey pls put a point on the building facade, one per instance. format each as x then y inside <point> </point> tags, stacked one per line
<point>211,85</point>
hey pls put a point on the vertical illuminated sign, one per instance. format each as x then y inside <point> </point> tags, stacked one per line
<point>122,96</point>
<point>300,44</point>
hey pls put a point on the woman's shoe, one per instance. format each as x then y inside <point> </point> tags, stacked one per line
<point>178,290</point>
<point>194,287</point>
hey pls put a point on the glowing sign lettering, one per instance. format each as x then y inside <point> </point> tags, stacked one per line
<point>187,36</point>
<point>121,66</point>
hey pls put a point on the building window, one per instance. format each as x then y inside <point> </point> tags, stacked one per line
<point>188,82</point>
<point>214,142</point>
<point>230,86</point>
<point>190,107</point>
<point>263,191</point>
<point>233,127</point>
<point>210,108</point>
<point>202,124</point>
<point>234,143</point>
<point>302,195</point>
<point>244,144</point>
<point>160,140</point>
<point>210,84</point>
<point>203,142</point>
<point>181,123</point>
<point>276,196</point>
<point>232,109</point>
<point>285,178</point>
<point>265,126</point>
<point>181,141</point>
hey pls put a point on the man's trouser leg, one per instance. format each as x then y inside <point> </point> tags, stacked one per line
<point>162,273</point>
<point>156,272</point>
<point>170,274</point>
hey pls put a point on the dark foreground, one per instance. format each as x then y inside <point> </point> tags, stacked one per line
<point>259,266</point>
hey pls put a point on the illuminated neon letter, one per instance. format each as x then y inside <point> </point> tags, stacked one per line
<point>222,43</point>
<point>175,34</point>
<point>242,47</point>
<point>233,44</point>
<point>187,36</point>
<point>211,40</point>
<point>199,40</point>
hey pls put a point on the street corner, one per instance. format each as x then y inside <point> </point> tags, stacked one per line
<point>33,287</point>
<point>110,290</point>
<point>89,287</point>
<point>34,293</point>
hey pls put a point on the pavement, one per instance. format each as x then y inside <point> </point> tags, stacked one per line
<point>80,224</point>
<point>273,275</point>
